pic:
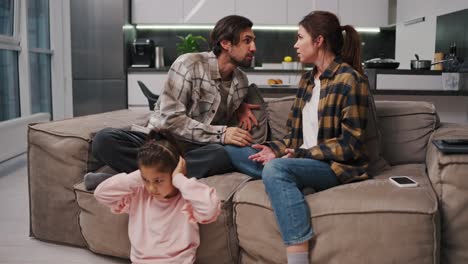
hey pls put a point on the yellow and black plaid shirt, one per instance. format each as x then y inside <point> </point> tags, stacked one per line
<point>342,117</point>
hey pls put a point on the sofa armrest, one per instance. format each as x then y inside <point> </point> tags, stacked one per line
<point>449,178</point>
<point>86,126</point>
<point>436,161</point>
<point>59,154</point>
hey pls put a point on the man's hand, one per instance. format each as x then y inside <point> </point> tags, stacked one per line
<point>264,155</point>
<point>237,136</point>
<point>245,116</point>
<point>181,167</point>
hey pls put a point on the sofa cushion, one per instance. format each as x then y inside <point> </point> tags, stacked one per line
<point>107,233</point>
<point>406,127</point>
<point>58,157</point>
<point>278,111</point>
<point>104,232</point>
<point>372,221</point>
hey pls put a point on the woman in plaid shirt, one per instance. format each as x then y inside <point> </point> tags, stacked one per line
<point>325,144</point>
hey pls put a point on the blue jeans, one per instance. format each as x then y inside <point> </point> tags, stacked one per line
<point>284,179</point>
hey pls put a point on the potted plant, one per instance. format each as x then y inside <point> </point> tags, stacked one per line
<point>189,44</point>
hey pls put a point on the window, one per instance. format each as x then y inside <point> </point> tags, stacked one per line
<point>35,82</point>
<point>9,88</point>
<point>39,56</point>
<point>9,79</point>
<point>6,17</point>
<point>40,83</point>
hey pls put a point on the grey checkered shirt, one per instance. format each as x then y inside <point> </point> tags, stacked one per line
<point>191,97</point>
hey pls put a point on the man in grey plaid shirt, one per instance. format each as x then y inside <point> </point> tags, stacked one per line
<point>204,92</point>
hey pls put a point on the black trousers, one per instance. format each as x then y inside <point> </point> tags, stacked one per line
<point>118,149</point>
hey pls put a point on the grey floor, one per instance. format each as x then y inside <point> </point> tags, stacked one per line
<point>15,244</point>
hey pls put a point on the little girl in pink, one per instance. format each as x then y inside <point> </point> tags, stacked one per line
<point>164,206</point>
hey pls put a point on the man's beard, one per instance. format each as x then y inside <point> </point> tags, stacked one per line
<point>242,63</point>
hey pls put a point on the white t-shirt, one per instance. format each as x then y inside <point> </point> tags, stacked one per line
<point>310,118</point>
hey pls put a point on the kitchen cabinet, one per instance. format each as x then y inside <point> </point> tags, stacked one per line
<point>157,11</point>
<point>207,12</point>
<point>153,80</point>
<point>298,9</point>
<point>266,12</point>
<point>363,13</point>
<point>408,10</point>
<point>409,82</point>
<point>326,5</point>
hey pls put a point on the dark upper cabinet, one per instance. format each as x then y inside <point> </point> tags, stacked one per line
<point>97,38</point>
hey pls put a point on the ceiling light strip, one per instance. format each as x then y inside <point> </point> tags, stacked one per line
<point>255,27</point>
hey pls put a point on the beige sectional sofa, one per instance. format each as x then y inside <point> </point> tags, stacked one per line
<point>365,222</point>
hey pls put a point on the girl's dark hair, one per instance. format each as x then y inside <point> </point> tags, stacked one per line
<point>327,24</point>
<point>228,28</point>
<point>160,150</point>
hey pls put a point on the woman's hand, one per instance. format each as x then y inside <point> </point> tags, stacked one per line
<point>245,116</point>
<point>264,155</point>
<point>181,167</point>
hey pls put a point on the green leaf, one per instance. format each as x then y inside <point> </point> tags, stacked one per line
<point>189,43</point>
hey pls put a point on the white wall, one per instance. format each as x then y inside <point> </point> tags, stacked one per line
<point>420,37</point>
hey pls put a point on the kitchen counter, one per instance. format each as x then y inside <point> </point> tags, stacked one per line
<point>277,91</point>
<point>142,69</point>
<point>401,72</point>
<point>392,78</point>
<point>166,69</point>
<point>368,72</point>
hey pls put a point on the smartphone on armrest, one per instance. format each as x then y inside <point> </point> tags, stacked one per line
<point>459,141</point>
<point>403,181</point>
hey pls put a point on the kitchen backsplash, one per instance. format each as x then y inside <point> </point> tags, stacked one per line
<point>272,46</point>
<point>451,29</point>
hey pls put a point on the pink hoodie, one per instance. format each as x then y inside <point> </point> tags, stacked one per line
<point>161,231</point>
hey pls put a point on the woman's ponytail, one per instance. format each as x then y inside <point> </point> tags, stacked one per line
<point>351,52</point>
<point>327,25</point>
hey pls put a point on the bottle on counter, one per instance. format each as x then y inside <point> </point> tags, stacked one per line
<point>252,63</point>
<point>438,56</point>
<point>453,64</point>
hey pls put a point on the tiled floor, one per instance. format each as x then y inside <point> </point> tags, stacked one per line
<point>15,244</point>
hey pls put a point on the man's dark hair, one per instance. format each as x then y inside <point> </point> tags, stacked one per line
<point>228,28</point>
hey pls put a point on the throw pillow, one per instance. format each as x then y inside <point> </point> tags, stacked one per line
<point>374,141</point>
<point>259,132</point>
